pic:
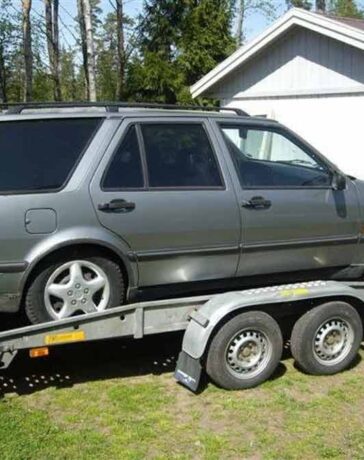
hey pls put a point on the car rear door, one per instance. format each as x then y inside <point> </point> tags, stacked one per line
<point>292,218</point>
<point>163,189</point>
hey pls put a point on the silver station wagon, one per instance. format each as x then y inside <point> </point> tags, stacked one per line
<point>106,204</point>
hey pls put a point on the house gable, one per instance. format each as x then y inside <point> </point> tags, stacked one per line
<point>301,62</point>
<point>321,24</point>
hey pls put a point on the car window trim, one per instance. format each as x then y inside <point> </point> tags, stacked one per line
<point>295,140</point>
<point>73,169</point>
<point>214,152</point>
<point>147,188</point>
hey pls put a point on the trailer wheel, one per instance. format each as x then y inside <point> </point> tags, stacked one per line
<point>326,339</point>
<point>245,351</point>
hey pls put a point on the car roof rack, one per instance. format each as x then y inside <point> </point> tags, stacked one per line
<point>18,107</point>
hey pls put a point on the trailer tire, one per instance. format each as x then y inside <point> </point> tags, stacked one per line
<point>245,351</point>
<point>326,339</point>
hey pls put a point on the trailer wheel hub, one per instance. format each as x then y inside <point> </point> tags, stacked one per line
<point>332,341</point>
<point>248,353</point>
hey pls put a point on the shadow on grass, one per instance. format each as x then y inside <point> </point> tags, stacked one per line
<point>93,361</point>
<point>77,363</point>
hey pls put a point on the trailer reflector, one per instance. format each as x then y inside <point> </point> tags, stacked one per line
<point>65,337</point>
<point>293,292</point>
<point>38,352</point>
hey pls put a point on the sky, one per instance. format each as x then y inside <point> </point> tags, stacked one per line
<point>68,10</point>
<point>255,22</point>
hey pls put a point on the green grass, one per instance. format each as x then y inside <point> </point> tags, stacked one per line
<point>293,416</point>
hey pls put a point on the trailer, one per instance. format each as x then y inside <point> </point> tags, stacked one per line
<point>236,337</point>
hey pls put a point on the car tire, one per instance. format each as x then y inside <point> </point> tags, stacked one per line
<point>231,346</point>
<point>326,339</point>
<point>40,303</point>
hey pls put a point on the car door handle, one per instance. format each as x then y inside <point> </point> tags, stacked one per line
<point>257,202</point>
<point>116,205</point>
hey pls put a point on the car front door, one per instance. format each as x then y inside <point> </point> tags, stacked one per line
<point>162,188</point>
<point>292,217</point>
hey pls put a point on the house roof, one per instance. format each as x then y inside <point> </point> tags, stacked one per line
<point>346,30</point>
<point>352,22</point>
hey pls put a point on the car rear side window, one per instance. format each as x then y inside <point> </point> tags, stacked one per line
<point>40,155</point>
<point>180,156</point>
<point>125,170</point>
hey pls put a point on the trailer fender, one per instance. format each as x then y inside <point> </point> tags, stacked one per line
<point>205,320</point>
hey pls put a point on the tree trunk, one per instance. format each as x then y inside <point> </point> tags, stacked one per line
<point>240,22</point>
<point>49,30</point>
<point>321,6</point>
<point>3,97</point>
<point>51,16</point>
<point>27,47</point>
<point>121,49</point>
<point>91,64</point>
<point>81,21</point>
<point>57,64</point>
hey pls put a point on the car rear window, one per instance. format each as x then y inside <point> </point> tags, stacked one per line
<point>40,155</point>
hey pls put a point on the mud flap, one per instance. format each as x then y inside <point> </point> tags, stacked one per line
<point>188,371</point>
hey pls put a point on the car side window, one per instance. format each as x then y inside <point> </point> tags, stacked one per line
<point>125,169</point>
<point>40,155</point>
<point>180,156</point>
<point>268,158</point>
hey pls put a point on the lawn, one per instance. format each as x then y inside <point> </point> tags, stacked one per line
<point>118,400</point>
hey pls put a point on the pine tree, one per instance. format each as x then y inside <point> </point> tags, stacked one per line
<point>72,76</point>
<point>181,40</point>
<point>304,4</point>
<point>107,69</point>
<point>8,42</point>
<point>206,38</point>
<point>346,8</point>
<point>154,74</point>
<point>321,6</point>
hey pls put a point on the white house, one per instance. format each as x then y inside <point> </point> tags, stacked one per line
<point>306,71</point>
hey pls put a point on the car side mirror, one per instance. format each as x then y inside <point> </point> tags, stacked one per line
<point>338,181</point>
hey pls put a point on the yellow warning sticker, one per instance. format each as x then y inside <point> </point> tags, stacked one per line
<point>65,337</point>
<point>294,292</point>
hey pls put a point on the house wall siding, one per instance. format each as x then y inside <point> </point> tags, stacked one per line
<point>301,62</point>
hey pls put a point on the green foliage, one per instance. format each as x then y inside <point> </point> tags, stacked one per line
<point>342,8</point>
<point>305,4</point>
<point>9,50</point>
<point>72,78</point>
<point>154,79</point>
<point>346,8</point>
<point>106,65</point>
<point>171,46</point>
<point>206,39</point>
<point>180,42</point>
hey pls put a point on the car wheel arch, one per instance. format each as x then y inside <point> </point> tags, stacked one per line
<point>126,263</point>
